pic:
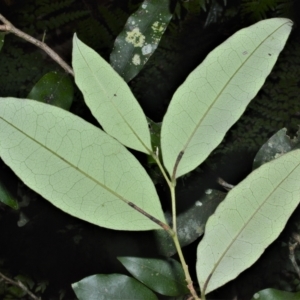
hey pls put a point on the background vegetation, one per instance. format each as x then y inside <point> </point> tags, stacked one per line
<point>50,249</point>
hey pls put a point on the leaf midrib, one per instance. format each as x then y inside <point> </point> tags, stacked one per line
<point>111,100</point>
<point>249,220</point>
<point>66,161</point>
<point>221,91</point>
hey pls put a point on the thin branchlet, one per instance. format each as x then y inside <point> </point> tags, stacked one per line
<point>179,157</point>
<point>153,219</point>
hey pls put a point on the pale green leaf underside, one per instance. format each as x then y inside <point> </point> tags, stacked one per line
<point>216,94</point>
<point>75,165</point>
<point>110,99</point>
<point>249,219</point>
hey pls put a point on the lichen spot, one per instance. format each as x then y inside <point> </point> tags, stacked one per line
<point>209,191</point>
<point>135,37</point>
<point>136,60</point>
<point>279,154</point>
<point>198,203</point>
<point>158,27</point>
<point>144,6</point>
<point>147,49</point>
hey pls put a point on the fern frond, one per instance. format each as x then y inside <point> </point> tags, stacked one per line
<point>114,20</point>
<point>63,19</point>
<point>46,7</point>
<point>257,8</point>
<point>95,34</point>
<point>260,9</point>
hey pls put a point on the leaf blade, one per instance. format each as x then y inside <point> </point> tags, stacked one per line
<point>7,198</point>
<point>216,93</point>
<point>140,37</point>
<point>54,88</point>
<point>273,294</point>
<point>75,165</point>
<point>110,99</point>
<point>113,286</point>
<point>164,276</point>
<point>251,217</point>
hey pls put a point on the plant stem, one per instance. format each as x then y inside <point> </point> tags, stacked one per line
<point>156,158</point>
<point>9,27</point>
<point>185,268</point>
<point>173,233</point>
<point>20,285</point>
<point>173,200</point>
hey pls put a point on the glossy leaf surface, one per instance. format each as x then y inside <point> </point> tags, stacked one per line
<point>54,88</point>
<point>110,99</point>
<point>140,37</point>
<point>249,219</point>
<point>114,286</point>
<point>7,198</point>
<point>273,294</point>
<point>76,166</point>
<point>277,145</point>
<point>164,276</point>
<point>215,94</point>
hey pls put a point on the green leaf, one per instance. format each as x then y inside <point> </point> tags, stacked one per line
<point>6,197</point>
<point>249,219</point>
<point>54,88</point>
<point>140,37</point>
<point>277,145</point>
<point>217,92</point>
<point>154,129</point>
<point>273,294</point>
<point>164,276</point>
<point>110,99</point>
<point>111,287</point>
<point>76,166</point>
<point>2,35</point>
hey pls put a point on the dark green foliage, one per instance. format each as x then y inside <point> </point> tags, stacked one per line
<point>23,64</point>
<point>258,10</point>
<point>19,69</point>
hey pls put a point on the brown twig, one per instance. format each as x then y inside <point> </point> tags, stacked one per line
<point>224,184</point>
<point>292,247</point>
<point>20,285</point>
<point>8,27</point>
<point>178,159</point>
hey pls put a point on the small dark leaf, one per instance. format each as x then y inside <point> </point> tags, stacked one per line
<point>6,197</point>
<point>272,294</point>
<point>154,129</point>
<point>140,37</point>
<point>54,88</point>
<point>164,276</point>
<point>277,145</point>
<point>111,287</point>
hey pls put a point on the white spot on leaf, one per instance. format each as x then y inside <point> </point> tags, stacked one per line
<point>147,49</point>
<point>136,60</point>
<point>135,37</point>
<point>158,27</point>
